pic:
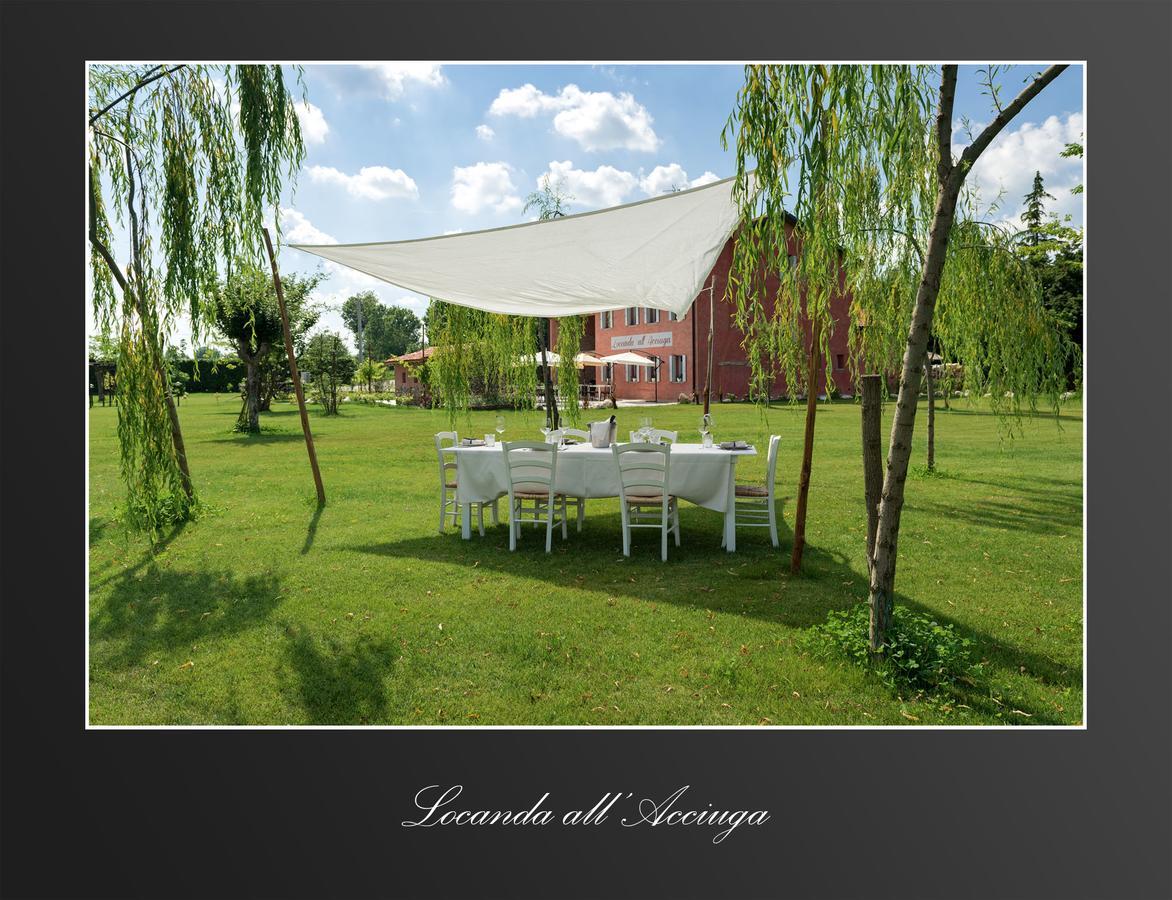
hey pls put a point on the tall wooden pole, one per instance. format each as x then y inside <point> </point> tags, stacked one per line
<point>872,388</point>
<point>321,491</point>
<point>711,329</point>
<point>931,410</point>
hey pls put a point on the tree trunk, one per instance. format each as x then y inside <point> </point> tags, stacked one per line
<point>949,179</point>
<point>931,415</point>
<point>551,402</point>
<point>795,565</point>
<point>872,389</point>
<point>250,414</point>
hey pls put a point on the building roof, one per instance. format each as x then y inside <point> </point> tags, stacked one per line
<point>413,357</point>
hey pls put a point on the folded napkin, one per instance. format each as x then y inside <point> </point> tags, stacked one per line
<point>472,442</point>
<point>735,445</point>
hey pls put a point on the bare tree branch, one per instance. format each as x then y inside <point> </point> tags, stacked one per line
<point>143,82</point>
<point>977,147</point>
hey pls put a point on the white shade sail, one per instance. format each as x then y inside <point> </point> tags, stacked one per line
<point>655,253</point>
<point>629,359</point>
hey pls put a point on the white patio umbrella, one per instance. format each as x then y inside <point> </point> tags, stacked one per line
<point>627,358</point>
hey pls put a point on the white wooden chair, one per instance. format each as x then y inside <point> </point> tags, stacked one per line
<point>643,471</point>
<point>531,468</point>
<point>755,506</point>
<point>575,436</point>
<point>658,436</point>
<point>445,444</point>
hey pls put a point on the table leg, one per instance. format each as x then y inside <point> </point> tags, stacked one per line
<point>466,521</point>
<point>730,509</point>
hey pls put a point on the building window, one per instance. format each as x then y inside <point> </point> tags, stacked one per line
<point>678,369</point>
<point>608,372</point>
<point>839,362</point>
<point>651,316</point>
<point>653,372</point>
<point>632,315</point>
<point>674,317</point>
<point>632,374</point>
<point>793,261</point>
<point>606,319</point>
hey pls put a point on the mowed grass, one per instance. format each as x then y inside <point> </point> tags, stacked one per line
<point>268,611</point>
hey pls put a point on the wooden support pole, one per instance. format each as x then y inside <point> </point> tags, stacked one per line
<point>711,329</point>
<point>321,491</point>
<point>931,410</point>
<point>872,387</point>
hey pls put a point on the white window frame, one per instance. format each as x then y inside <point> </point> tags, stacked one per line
<point>682,370</point>
<point>632,374</point>
<point>653,373</point>
<point>675,317</point>
<point>606,319</point>
<point>632,313</point>
<point>650,316</point>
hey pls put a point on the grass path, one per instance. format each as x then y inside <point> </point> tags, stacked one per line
<point>268,611</point>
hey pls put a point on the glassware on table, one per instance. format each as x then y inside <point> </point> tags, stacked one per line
<point>706,429</point>
<point>500,425</point>
<point>490,440</point>
<point>545,430</point>
<point>645,428</point>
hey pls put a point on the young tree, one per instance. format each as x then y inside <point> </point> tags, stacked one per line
<point>187,159</point>
<point>245,312</point>
<point>551,202</point>
<point>327,361</point>
<point>369,371</point>
<point>874,170</point>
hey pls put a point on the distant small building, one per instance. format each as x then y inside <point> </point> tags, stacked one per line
<point>406,371</point>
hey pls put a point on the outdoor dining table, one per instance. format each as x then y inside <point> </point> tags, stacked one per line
<point>702,475</point>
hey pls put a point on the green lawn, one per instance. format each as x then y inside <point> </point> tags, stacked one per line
<point>268,611</point>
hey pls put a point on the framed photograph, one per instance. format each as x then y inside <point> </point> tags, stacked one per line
<point>585,451</point>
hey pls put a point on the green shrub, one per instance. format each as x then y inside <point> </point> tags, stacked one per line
<point>920,653</point>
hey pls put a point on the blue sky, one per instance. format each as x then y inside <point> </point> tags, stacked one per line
<point>399,151</point>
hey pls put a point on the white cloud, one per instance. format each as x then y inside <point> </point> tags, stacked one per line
<point>371,182</point>
<point>297,229</point>
<point>1009,163</point>
<point>484,185</point>
<point>662,179</point>
<point>314,127</point>
<point>485,133</point>
<point>605,186</point>
<point>596,120</point>
<point>395,77</point>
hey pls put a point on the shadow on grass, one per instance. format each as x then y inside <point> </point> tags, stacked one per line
<point>311,531</point>
<point>160,611</point>
<point>1038,505</point>
<point>754,582</point>
<point>250,440</point>
<point>336,683</point>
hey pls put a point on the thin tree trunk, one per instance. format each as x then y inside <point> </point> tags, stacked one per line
<point>795,565</point>
<point>250,415</point>
<point>551,404</point>
<point>949,178</point>
<point>321,491</point>
<point>931,415</point>
<point>872,390</point>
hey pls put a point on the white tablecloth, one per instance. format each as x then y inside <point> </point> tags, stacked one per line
<point>700,475</point>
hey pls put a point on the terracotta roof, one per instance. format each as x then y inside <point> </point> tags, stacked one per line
<point>415,356</point>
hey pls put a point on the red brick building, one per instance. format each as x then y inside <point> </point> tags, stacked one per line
<point>406,372</point>
<point>680,346</point>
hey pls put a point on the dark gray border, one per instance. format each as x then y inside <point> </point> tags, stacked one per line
<point>874,814</point>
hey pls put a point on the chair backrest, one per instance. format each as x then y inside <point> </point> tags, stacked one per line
<point>445,443</point>
<point>771,463</point>
<point>662,434</point>
<point>578,436</point>
<point>531,466</point>
<point>643,469</point>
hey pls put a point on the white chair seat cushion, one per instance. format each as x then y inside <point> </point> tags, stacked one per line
<point>451,485</point>
<point>648,498</point>
<point>751,490</point>
<point>533,495</point>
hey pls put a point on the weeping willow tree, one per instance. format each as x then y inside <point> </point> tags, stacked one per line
<point>184,161</point>
<point>875,192</point>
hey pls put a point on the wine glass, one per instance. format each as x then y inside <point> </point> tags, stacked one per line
<point>545,430</point>
<point>500,427</point>
<point>705,426</point>
<point>645,428</point>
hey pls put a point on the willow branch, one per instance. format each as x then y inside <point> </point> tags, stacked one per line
<point>96,241</point>
<point>977,147</point>
<point>143,82</point>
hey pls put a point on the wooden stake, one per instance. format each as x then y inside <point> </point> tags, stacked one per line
<point>711,329</point>
<point>872,387</point>
<point>321,491</point>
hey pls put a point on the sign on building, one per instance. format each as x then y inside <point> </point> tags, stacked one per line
<point>641,341</point>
